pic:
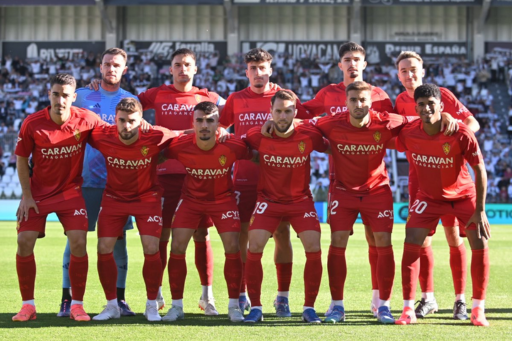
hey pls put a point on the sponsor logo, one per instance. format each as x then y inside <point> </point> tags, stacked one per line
<point>222,160</point>
<point>62,152</point>
<point>364,149</point>
<point>433,161</point>
<point>177,109</point>
<point>231,214</point>
<point>18,140</point>
<point>208,173</point>
<point>97,105</point>
<point>385,214</point>
<point>376,136</point>
<point>476,153</point>
<point>128,164</point>
<point>446,148</point>
<point>337,110</point>
<point>167,48</point>
<point>302,147</point>
<point>155,219</point>
<point>144,150</point>
<point>285,161</point>
<point>310,215</point>
<point>81,211</point>
<point>77,134</point>
<point>254,119</point>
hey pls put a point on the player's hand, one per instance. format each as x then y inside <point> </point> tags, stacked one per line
<point>479,218</point>
<point>267,129</point>
<point>94,84</point>
<point>222,135</point>
<point>448,124</point>
<point>25,205</point>
<point>145,126</point>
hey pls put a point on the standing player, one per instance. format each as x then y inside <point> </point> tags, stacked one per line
<point>102,102</point>
<point>410,74</point>
<point>331,100</point>
<point>56,138</point>
<point>131,189</point>
<point>445,187</point>
<point>207,190</point>
<point>246,109</point>
<point>283,194</point>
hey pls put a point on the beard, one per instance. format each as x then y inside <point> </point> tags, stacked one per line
<point>107,81</point>
<point>285,129</point>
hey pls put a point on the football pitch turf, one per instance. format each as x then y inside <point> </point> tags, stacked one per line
<point>359,324</point>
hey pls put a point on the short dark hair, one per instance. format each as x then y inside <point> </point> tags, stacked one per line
<point>115,51</point>
<point>129,105</point>
<point>427,90</point>
<point>206,107</point>
<point>186,52</point>
<point>358,86</point>
<point>285,95</point>
<point>350,46</point>
<point>63,79</point>
<point>257,55</point>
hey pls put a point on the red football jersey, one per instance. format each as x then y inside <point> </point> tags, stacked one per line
<point>247,109</point>
<point>208,172</point>
<point>285,162</point>
<point>439,160</point>
<point>332,100</point>
<point>131,169</point>
<point>174,110</point>
<point>358,153</point>
<point>57,150</point>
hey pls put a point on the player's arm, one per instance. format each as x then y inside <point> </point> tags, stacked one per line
<point>27,201</point>
<point>479,218</point>
<point>448,124</point>
<point>391,143</point>
<point>472,123</point>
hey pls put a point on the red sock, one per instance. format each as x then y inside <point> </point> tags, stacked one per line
<point>284,276</point>
<point>152,274</point>
<point>204,261</point>
<point>337,269</point>
<point>410,270</point>
<point>26,268</point>
<point>107,271</point>
<point>254,277</point>
<point>373,257</point>
<point>458,264</point>
<point>162,246</point>
<point>233,273</point>
<point>312,277</point>
<point>385,271</point>
<point>78,268</point>
<point>427,269</point>
<point>177,275</point>
<point>480,272</point>
<point>243,282</point>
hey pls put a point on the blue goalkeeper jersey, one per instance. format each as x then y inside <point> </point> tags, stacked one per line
<point>103,103</point>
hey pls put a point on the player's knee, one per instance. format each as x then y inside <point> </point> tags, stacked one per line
<point>282,236</point>
<point>25,246</point>
<point>231,246</point>
<point>78,246</point>
<point>201,235</point>
<point>382,239</point>
<point>178,248</point>
<point>166,235</point>
<point>312,247</point>
<point>151,248</point>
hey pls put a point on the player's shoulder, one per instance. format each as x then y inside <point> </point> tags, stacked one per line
<point>125,93</point>
<point>37,116</point>
<point>83,113</point>
<point>446,92</point>
<point>84,91</point>
<point>464,130</point>
<point>234,142</point>
<point>307,130</point>
<point>184,139</point>
<point>254,132</point>
<point>402,98</point>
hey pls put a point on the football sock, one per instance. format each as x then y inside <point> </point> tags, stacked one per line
<point>460,297</point>
<point>312,277</point>
<point>121,258</point>
<point>204,261</point>
<point>337,269</point>
<point>31,302</point>
<point>260,308</point>
<point>73,302</point>
<point>284,276</point>
<point>283,294</point>
<point>307,307</point>
<point>479,273</point>
<point>254,277</point>
<point>78,268</point>
<point>177,275</point>
<point>428,296</point>
<point>373,257</point>
<point>384,303</point>
<point>112,303</point>
<point>178,303</point>
<point>207,292</point>
<point>410,270</point>
<point>162,246</point>
<point>120,294</point>
<point>478,304</point>
<point>26,268</point>
<point>66,294</point>
<point>375,298</point>
<point>458,266</point>
<point>107,271</point>
<point>338,302</point>
<point>426,269</point>
<point>233,274</point>
<point>385,271</point>
<point>243,282</point>
<point>233,303</point>
<point>409,303</point>
<point>65,267</point>
<point>151,271</point>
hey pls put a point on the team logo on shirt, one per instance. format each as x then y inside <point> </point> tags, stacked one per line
<point>222,160</point>
<point>302,147</point>
<point>446,148</point>
<point>144,150</point>
<point>77,134</point>
<point>198,98</point>
<point>252,220</point>
<point>376,136</point>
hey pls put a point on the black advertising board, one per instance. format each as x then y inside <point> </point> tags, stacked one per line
<point>162,2</point>
<point>166,48</point>
<point>327,50</point>
<point>292,2</point>
<point>47,3</point>
<point>385,52</point>
<point>46,50</point>
<point>422,2</point>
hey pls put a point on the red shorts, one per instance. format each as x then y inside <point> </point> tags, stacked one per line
<point>71,212</point>
<point>376,210</point>
<point>114,213</point>
<point>246,200</point>
<point>332,187</point>
<point>268,215</point>
<point>425,212</point>
<point>172,184</point>
<point>224,214</point>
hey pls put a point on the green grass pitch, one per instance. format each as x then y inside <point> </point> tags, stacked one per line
<point>359,324</point>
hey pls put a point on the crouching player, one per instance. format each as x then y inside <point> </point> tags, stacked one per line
<point>131,189</point>
<point>284,195</point>
<point>207,191</point>
<point>445,187</point>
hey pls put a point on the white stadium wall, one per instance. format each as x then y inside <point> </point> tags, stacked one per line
<point>499,24</point>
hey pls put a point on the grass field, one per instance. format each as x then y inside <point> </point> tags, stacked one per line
<point>359,324</point>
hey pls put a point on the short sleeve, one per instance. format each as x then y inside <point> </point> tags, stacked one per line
<point>227,115</point>
<point>26,143</point>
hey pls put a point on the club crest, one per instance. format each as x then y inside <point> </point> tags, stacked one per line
<point>446,148</point>
<point>222,160</point>
<point>198,98</point>
<point>252,220</point>
<point>376,136</point>
<point>77,134</point>
<point>302,146</point>
<point>144,150</point>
